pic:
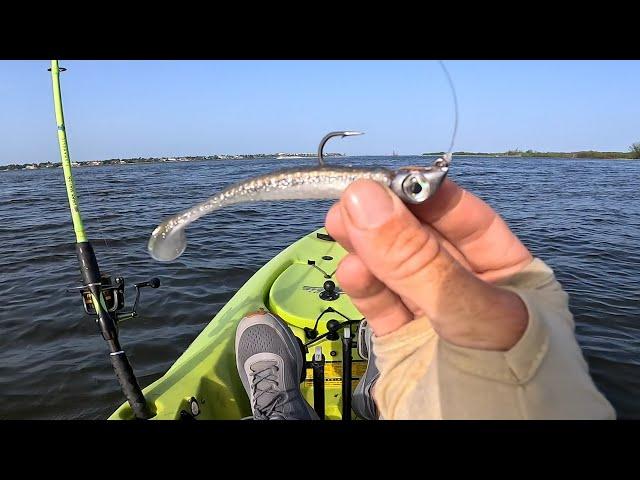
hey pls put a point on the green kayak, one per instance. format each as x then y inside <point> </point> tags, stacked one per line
<point>298,286</point>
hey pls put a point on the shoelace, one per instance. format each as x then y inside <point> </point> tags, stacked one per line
<point>258,387</point>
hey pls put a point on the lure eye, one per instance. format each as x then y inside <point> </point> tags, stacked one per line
<point>416,188</point>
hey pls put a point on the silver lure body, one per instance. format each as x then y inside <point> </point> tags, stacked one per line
<point>168,240</point>
<point>412,184</point>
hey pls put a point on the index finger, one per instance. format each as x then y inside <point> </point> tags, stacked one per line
<point>475,229</point>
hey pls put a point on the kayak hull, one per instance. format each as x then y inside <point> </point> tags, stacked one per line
<point>289,287</point>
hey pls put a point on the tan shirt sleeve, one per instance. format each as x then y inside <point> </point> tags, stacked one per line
<point>543,376</point>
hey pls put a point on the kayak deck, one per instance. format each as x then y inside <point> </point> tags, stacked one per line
<point>288,286</point>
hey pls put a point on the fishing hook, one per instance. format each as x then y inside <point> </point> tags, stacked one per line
<point>326,139</point>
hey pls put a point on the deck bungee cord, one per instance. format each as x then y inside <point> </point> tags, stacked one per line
<point>102,298</point>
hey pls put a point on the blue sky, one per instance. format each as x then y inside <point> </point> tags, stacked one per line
<point>120,109</point>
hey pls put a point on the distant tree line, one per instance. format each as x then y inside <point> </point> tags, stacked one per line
<point>634,152</point>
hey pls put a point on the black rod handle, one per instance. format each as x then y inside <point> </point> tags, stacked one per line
<point>129,385</point>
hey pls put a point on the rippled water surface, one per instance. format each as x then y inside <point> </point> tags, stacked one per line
<point>581,217</point>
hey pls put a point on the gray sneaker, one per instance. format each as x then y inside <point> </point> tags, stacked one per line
<point>362,402</point>
<point>270,365</point>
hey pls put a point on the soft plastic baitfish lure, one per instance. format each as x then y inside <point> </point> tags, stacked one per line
<point>412,184</point>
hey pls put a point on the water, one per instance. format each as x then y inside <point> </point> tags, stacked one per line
<point>581,217</point>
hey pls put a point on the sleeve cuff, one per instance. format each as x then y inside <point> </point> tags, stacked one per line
<point>535,276</point>
<point>409,336</point>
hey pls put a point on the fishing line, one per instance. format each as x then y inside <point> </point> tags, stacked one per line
<point>103,231</point>
<point>455,105</point>
<point>100,228</point>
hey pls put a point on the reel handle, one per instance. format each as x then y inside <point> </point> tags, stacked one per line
<point>153,283</point>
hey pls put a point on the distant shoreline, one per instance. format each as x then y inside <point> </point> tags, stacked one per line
<point>148,160</point>
<point>583,155</point>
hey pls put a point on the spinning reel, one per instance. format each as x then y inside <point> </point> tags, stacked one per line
<point>113,294</point>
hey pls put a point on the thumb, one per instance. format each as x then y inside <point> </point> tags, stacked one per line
<point>410,260</point>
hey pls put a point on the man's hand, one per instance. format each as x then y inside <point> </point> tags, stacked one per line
<point>438,259</point>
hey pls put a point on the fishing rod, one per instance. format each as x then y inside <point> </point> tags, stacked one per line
<point>102,298</point>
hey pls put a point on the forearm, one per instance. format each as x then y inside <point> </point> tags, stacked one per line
<point>543,375</point>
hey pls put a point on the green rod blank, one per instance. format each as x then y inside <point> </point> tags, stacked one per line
<point>78,227</point>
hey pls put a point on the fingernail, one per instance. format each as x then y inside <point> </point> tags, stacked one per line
<point>368,204</point>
